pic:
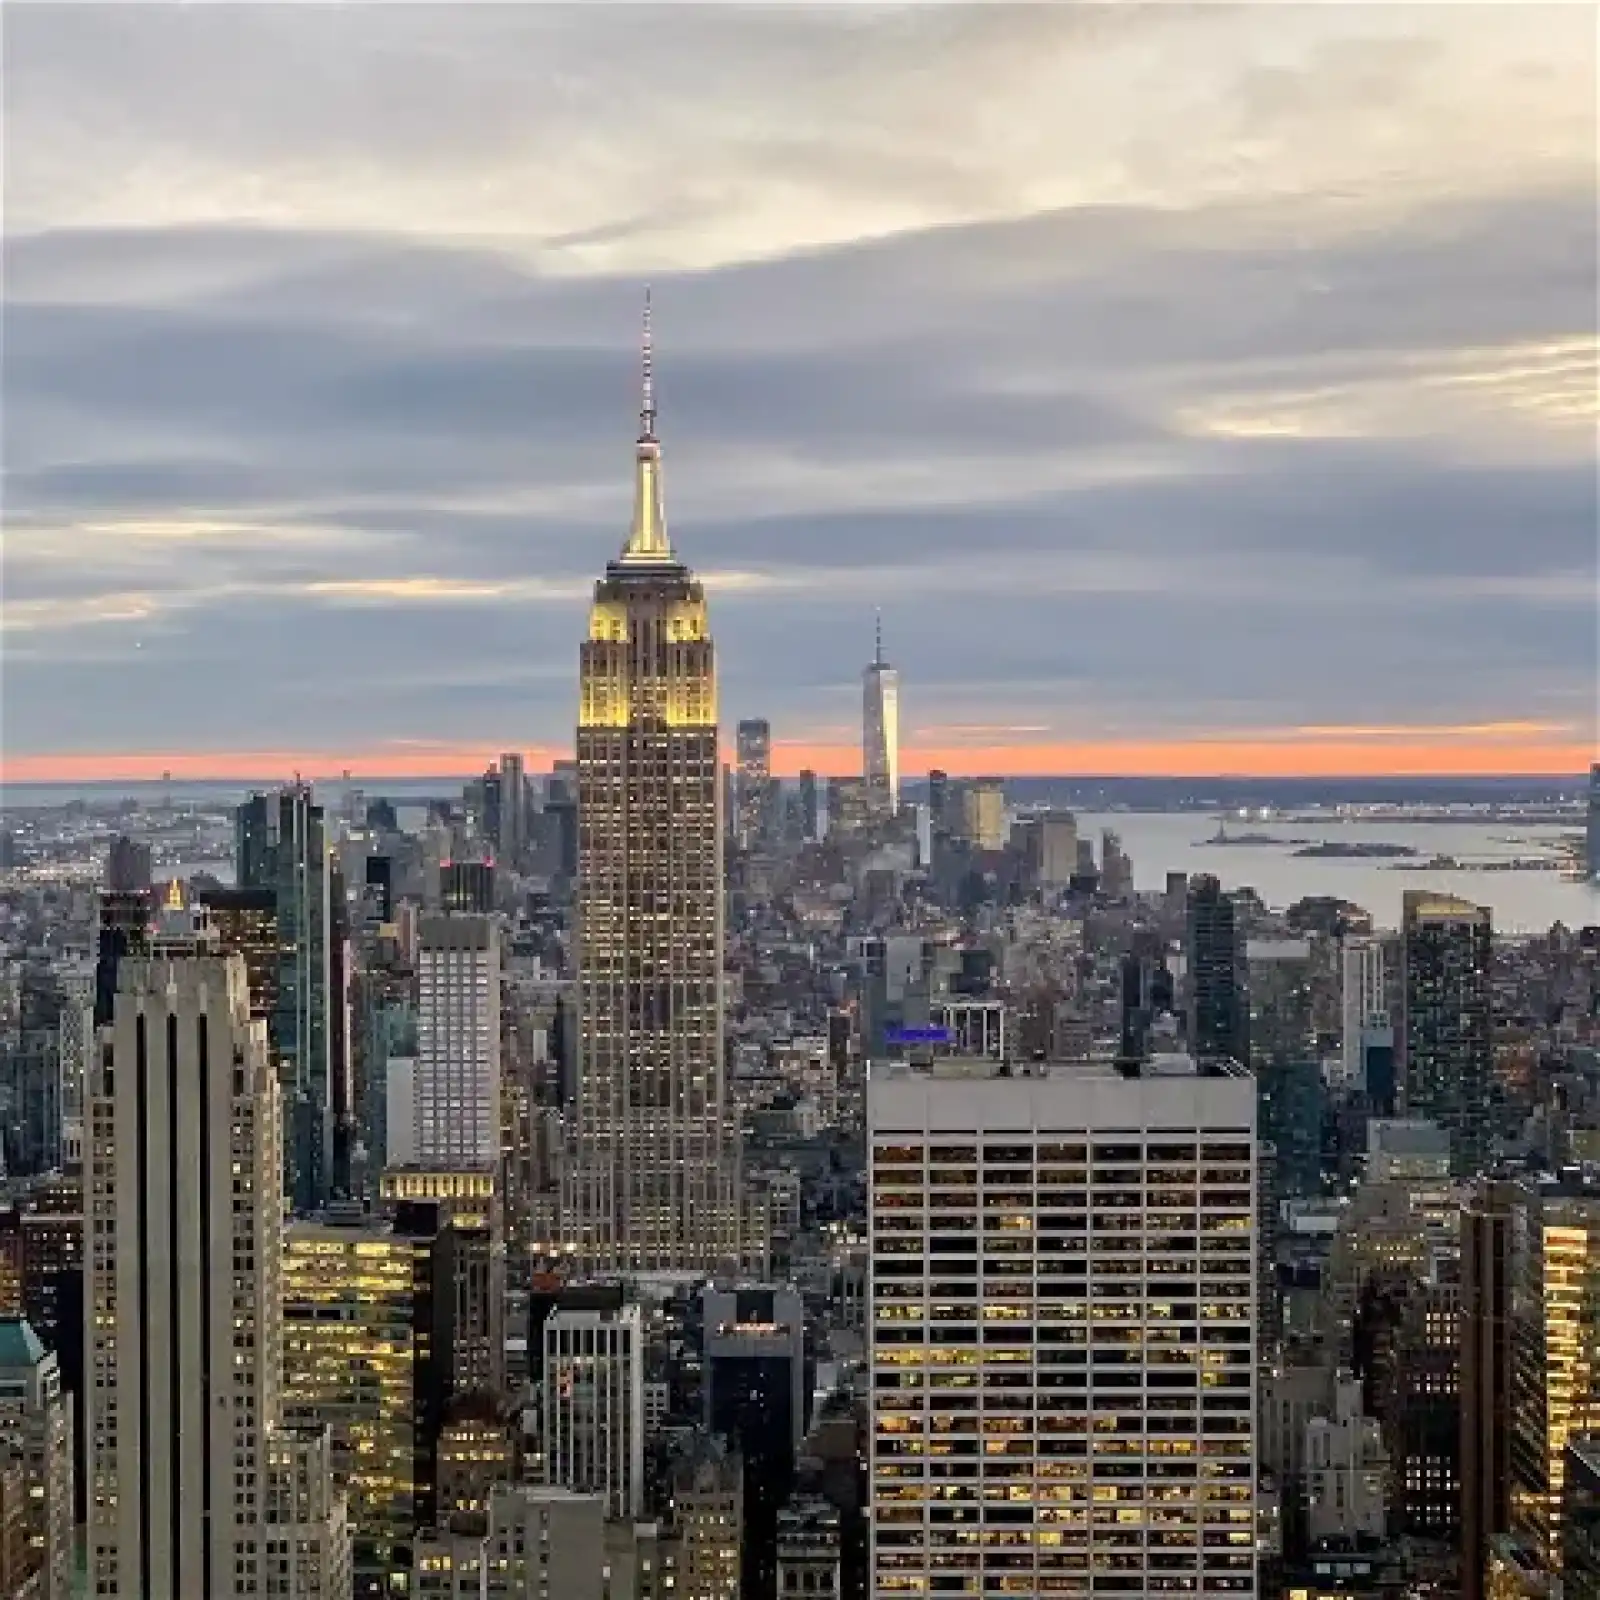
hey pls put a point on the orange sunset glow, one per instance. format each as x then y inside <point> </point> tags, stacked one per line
<point>1486,750</point>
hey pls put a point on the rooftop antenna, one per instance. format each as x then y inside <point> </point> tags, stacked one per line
<point>647,412</point>
<point>877,636</point>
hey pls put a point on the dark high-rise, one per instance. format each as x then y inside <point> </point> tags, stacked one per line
<point>467,886</point>
<point>1447,1064</point>
<point>245,922</point>
<point>755,1389</point>
<point>1486,1324</point>
<point>281,845</point>
<point>124,930</point>
<point>1216,978</point>
<point>1592,829</point>
<point>128,865</point>
<point>809,814</point>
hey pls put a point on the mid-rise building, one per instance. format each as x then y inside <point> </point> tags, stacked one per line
<point>36,1438</point>
<point>541,1541</point>
<point>983,813</point>
<point>1447,1061</point>
<point>467,886</point>
<point>880,733</point>
<point>707,1509</point>
<point>809,1550</point>
<point>473,1263</point>
<point>655,1182</point>
<point>128,866</point>
<point>1346,1471</point>
<point>847,807</point>
<point>1063,1300</point>
<point>594,1398</point>
<point>367,1344</point>
<point>457,1076</point>
<point>305,1535</point>
<point>1058,849</point>
<point>1422,1413</point>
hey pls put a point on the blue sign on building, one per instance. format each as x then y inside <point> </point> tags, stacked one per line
<point>905,1036</point>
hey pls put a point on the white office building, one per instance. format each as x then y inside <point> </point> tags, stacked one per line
<point>594,1398</point>
<point>456,1082</point>
<point>976,1027</point>
<point>1363,1006</point>
<point>1063,1340</point>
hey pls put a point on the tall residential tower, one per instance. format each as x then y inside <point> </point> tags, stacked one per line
<point>655,1180</point>
<point>880,733</point>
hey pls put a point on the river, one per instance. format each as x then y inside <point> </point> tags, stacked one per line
<point>1523,902</point>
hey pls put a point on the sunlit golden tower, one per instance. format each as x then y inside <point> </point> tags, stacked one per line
<point>655,1181</point>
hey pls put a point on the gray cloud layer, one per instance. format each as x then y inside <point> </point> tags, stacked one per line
<point>310,446</point>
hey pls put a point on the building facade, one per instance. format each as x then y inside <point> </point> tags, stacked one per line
<point>594,1399</point>
<point>1447,1063</point>
<point>36,1418</point>
<point>755,1398</point>
<point>367,1355</point>
<point>655,1183</point>
<point>183,1316</point>
<point>1063,1301</point>
<point>753,788</point>
<point>456,1082</point>
<point>281,844</point>
<point>880,733</point>
<point>1214,948</point>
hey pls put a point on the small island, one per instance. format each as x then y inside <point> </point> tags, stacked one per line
<point>1376,850</point>
<point>1222,836</point>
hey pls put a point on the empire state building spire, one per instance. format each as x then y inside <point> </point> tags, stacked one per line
<point>647,544</point>
<point>653,1184</point>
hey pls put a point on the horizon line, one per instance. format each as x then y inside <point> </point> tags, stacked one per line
<point>1344,755</point>
<point>354,776</point>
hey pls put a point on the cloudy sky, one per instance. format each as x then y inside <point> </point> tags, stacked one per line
<point>1194,389</point>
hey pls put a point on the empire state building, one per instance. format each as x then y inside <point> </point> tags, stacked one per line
<point>655,1180</point>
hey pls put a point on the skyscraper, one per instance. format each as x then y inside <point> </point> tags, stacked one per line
<point>1448,1061</point>
<point>755,1398</point>
<point>594,1398</point>
<point>1062,1321</point>
<point>655,1183</point>
<point>183,1319</point>
<point>1363,1008</point>
<point>1217,1022</point>
<point>809,813</point>
<point>281,844</point>
<point>1592,831</point>
<point>754,779</point>
<point>457,1081</point>
<point>367,1339</point>
<point>513,819</point>
<point>880,733</point>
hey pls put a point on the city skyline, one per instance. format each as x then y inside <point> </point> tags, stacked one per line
<point>352,382</point>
